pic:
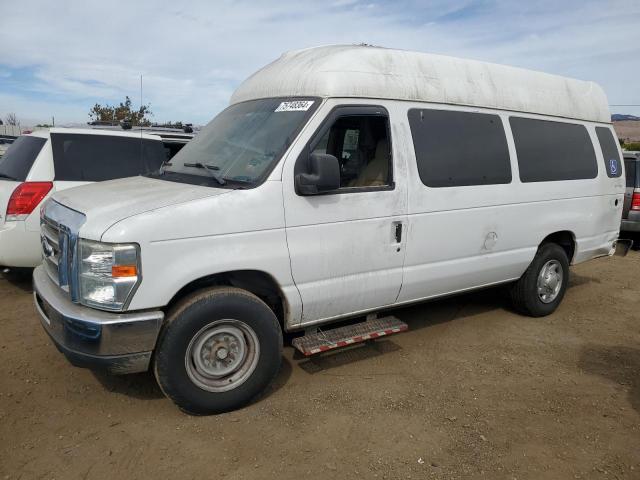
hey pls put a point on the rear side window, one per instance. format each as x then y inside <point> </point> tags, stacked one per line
<point>95,158</point>
<point>459,148</point>
<point>610,153</point>
<point>19,157</point>
<point>549,151</point>
<point>632,174</point>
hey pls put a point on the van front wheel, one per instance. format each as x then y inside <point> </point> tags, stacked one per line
<point>542,287</point>
<point>219,349</point>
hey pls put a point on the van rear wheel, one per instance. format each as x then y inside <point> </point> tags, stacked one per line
<point>219,349</point>
<point>542,287</point>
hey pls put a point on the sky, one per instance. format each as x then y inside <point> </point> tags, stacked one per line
<point>60,58</point>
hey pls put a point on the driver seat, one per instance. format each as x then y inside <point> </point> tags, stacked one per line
<point>376,173</point>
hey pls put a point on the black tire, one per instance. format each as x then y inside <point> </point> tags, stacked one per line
<point>195,314</point>
<point>524,293</point>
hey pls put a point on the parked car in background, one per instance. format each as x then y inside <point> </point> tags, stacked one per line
<point>341,181</point>
<point>173,141</point>
<point>173,138</point>
<point>631,209</point>
<point>45,161</point>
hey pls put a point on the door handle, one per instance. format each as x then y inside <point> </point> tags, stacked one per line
<point>398,231</point>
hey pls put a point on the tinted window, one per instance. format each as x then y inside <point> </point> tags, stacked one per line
<point>459,148</point>
<point>19,157</point>
<point>361,145</point>
<point>95,158</point>
<point>549,151</point>
<point>631,169</point>
<point>610,153</point>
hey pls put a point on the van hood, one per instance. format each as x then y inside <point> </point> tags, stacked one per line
<point>106,203</point>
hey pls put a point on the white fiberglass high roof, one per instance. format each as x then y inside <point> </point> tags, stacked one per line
<point>359,71</point>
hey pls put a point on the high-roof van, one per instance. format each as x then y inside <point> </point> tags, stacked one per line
<point>340,182</point>
<point>49,160</point>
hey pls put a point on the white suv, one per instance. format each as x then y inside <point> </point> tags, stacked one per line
<point>46,161</point>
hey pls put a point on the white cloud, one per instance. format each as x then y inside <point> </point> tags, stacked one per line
<point>192,55</point>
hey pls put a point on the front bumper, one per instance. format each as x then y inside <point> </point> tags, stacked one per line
<point>117,342</point>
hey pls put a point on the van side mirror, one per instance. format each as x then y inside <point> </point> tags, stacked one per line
<point>324,175</point>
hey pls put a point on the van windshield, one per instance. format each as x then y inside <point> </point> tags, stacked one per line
<point>241,145</point>
<point>19,157</point>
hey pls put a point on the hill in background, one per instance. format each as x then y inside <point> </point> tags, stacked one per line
<point>628,128</point>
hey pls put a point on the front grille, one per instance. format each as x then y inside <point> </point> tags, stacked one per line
<point>51,249</point>
<point>60,226</point>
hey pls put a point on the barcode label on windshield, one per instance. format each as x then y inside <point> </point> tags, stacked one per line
<point>297,106</point>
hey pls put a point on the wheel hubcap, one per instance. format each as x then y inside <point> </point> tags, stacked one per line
<point>222,355</point>
<point>550,281</point>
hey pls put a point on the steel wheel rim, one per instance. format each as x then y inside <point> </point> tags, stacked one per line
<point>550,281</point>
<point>222,355</point>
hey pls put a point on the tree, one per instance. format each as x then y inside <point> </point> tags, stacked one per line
<point>118,113</point>
<point>12,119</point>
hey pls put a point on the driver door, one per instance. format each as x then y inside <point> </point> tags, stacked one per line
<point>347,245</point>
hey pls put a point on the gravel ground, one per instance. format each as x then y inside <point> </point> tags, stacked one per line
<point>471,391</point>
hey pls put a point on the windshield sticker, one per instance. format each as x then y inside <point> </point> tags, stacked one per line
<point>297,106</point>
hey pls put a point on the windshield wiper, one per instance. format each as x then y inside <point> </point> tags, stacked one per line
<point>8,177</point>
<point>209,168</point>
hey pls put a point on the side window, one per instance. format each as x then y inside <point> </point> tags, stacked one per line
<point>610,153</point>
<point>550,151</point>
<point>95,158</point>
<point>361,145</point>
<point>459,148</point>
<point>630,168</point>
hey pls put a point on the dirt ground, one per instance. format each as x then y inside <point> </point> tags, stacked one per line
<point>471,391</point>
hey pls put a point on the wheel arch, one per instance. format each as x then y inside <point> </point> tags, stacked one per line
<point>566,239</point>
<point>260,283</point>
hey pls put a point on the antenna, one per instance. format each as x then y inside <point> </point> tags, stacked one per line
<point>140,123</point>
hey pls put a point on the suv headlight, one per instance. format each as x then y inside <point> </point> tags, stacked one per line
<point>109,273</point>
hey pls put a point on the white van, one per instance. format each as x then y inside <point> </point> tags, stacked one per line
<point>46,161</point>
<point>341,181</point>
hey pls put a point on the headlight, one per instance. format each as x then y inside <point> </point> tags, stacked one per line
<point>109,273</point>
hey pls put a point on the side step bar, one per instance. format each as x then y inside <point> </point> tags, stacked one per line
<point>344,336</point>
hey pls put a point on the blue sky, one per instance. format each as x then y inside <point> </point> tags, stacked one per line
<point>58,59</point>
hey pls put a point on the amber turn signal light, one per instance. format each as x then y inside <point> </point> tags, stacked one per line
<point>119,271</point>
